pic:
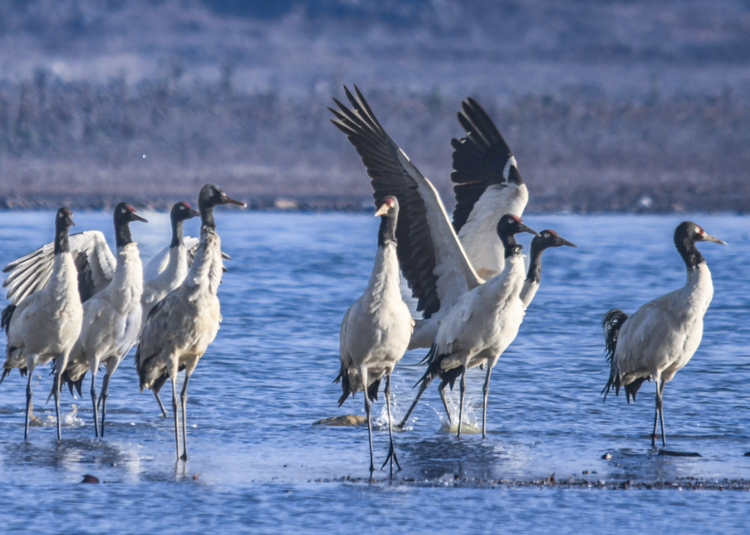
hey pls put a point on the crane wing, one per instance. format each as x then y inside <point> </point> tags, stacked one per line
<point>480,160</point>
<point>429,253</point>
<point>487,186</point>
<point>91,254</point>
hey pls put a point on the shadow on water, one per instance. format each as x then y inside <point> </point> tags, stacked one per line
<point>441,456</point>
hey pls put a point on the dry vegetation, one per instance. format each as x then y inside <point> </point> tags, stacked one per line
<point>634,112</point>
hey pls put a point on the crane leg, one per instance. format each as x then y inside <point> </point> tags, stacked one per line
<point>161,405</point>
<point>422,387</point>
<point>659,414</point>
<point>93,402</point>
<point>103,399</point>
<point>183,401</point>
<point>441,390</point>
<point>368,410</point>
<point>57,380</point>
<point>391,450</point>
<point>29,392</point>
<point>461,403</point>
<point>173,377</point>
<point>486,392</point>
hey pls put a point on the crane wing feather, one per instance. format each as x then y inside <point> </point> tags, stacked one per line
<point>430,255</point>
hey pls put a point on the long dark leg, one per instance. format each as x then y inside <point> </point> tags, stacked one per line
<point>183,399</point>
<point>661,415</point>
<point>391,450</point>
<point>173,377</point>
<point>58,379</point>
<point>422,387</point>
<point>161,405</point>
<point>28,405</point>
<point>461,403</point>
<point>103,398</point>
<point>93,402</point>
<point>368,410</point>
<point>441,390</point>
<point>486,392</point>
<point>657,412</point>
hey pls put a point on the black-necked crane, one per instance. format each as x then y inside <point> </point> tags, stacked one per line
<point>45,325</point>
<point>167,271</point>
<point>662,336</point>
<point>181,326</point>
<point>539,244</point>
<point>482,323</point>
<point>111,318</point>
<point>376,329</point>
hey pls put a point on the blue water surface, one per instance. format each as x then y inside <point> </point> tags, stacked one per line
<point>259,465</point>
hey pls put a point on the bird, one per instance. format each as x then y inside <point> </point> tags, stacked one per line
<point>662,336</point>
<point>167,271</point>
<point>482,323</point>
<point>441,259</point>
<point>546,239</point>
<point>179,329</point>
<point>111,318</point>
<point>45,325</point>
<point>376,329</point>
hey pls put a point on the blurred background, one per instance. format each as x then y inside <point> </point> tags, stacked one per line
<point>621,105</point>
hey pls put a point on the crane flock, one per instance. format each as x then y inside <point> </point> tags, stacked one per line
<point>79,305</point>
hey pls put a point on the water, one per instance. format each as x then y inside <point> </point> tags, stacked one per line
<point>257,462</point>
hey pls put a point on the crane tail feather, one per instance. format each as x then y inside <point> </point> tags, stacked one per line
<point>613,322</point>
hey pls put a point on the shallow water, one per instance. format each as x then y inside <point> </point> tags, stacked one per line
<point>268,377</point>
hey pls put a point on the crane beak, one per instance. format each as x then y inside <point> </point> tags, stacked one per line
<point>708,237</point>
<point>563,241</point>
<point>193,213</point>
<point>229,200</point>
<point>524,228</point>
<point>136,217</point>
<point>383,209</point>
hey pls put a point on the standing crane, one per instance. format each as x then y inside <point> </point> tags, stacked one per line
<point>376,329</point>
<point>662,336</point>
<point>181,326</point>
<point>45,325</point>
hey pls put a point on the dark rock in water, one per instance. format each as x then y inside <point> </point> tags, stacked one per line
<point>347,419</point>
<point>90,479</point>
<point>669,453</point>
<point>607,456</point>
<point>747,454</point>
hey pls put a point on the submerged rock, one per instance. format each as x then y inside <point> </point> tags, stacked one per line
<point>347,419</point>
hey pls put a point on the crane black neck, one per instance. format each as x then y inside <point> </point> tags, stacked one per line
<point>122,233</point>
<point>176,232</point>
<point>535,265</point>
<point>510,245</point>
<point>688,251</point>
<point>207,217</point>
<point>387,231</point>
<point>62,244</point>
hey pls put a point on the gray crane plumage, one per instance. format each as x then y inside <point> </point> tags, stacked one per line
<point>179,329</point>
